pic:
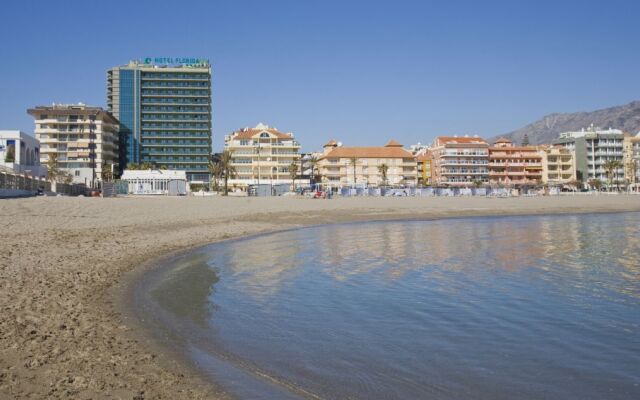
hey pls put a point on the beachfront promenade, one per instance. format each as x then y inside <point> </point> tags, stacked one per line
<point>65,262</point>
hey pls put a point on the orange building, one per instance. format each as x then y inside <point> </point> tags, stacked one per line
<point>512,165</point>
<point>459,161</point>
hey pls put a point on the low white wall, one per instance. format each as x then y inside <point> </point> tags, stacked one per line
<point>8,193</point>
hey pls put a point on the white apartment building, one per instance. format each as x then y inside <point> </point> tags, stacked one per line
<point>20,152</point>
<point>262,155</point>
<point>593,148</point>
<point>84,138</point>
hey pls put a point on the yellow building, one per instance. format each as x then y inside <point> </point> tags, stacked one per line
<point>558,165</point>
<point>262,155</point>
<point>424,169</point>
<point>631,160</point>
<point>363,166</point>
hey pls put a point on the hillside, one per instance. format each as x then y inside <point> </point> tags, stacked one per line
<point>626,118</point>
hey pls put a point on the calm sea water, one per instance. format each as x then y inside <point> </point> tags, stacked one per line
<point>479,308</point>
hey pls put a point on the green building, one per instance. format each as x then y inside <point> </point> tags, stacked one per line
<point>164,109</point>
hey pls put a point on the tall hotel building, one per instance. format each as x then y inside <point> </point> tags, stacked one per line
<point>164,109</point>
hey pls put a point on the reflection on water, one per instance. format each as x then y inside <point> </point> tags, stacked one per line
<point>485,308</point>
<point>266,263</point>
<point>186,288</point>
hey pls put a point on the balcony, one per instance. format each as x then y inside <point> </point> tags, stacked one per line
<point>463,154</point>
<point>464,162</point>
<point>513,164</point>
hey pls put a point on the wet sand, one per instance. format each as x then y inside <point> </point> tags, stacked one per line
<point>65,264</point>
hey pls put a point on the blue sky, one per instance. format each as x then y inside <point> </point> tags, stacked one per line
<point>358,71</point>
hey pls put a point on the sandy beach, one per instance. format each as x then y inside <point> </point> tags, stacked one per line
<point>64,263</point>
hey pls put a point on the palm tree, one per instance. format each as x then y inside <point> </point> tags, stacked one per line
<point>106,174</point>
<point>148,165</point>
<point>383,169</point>
<point>477,183</point>
<point>354,160</point>
<point>313,161</point>
<point>229,171</point>
<point>611,166</point>
<point>215,168</point>
<point>293,173</point>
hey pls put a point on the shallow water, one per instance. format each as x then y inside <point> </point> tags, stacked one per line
<point>475,308</point>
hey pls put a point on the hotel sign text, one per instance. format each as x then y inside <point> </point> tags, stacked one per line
<point>177,61</point>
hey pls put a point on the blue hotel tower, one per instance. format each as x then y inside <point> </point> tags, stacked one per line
<point>164,109</point>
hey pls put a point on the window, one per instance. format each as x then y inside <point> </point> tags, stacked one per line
<point>77,173</point>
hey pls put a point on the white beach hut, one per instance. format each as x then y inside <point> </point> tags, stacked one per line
<point>156,182</point>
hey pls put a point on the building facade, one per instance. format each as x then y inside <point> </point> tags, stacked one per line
<point>20,153</point>
<point>164,109</point>
<point>558,165</point>
<point>512,165</point>
<point>459,161</point>
<point>83,138</point>
<point>424,169</point>
<point>155,182</point>
<point>262,155</point>
<point>632,159</point>
<point>593,147</point>
<point>337,168</point>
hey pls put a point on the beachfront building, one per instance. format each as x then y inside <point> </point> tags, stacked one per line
<point>20,153</point>
<point>459,161</point>
<point>309,167</point>
<point>262,155</point>
<point>423,162</point>
<point>342,166</point>
<point>514,166</point>
<point>164,109</point>
<point>84,139</point>
<point>632,160</point>
<point>593,147</point>
<point>155,182</point>
<point>558,165</point>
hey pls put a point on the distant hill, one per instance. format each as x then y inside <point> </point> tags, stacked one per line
<point>626,118</point>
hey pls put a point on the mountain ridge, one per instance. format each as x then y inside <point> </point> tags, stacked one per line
<point>625,117</point>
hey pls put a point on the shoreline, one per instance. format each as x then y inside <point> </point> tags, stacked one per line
<point>144,277</point>
<point>132,236</point>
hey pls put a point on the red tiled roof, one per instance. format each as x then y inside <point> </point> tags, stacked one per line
<point>392,143</point>
<point>461,140</point>
<point>514,148</point>
<point>369,152</point>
